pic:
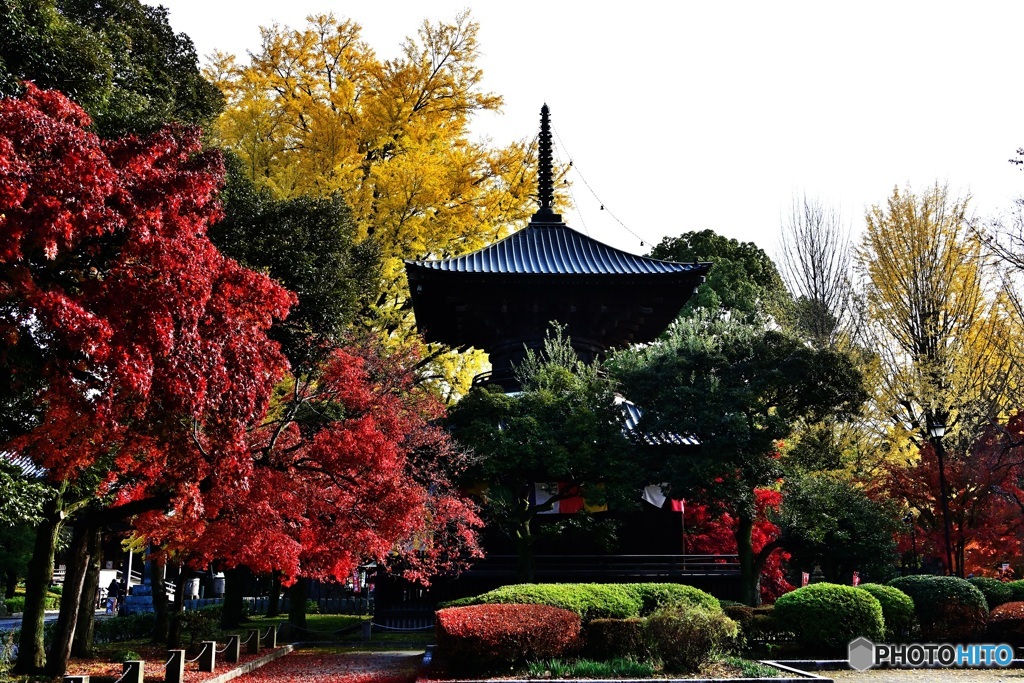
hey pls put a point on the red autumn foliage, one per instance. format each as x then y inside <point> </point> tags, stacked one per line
<point>317,502</point>
<point>134,333</point>
<point>349,667</point>
<point>712,535</point>
<point>483,638</point>
<point>1006,623</point>
<point>985,497</point>
<point>144,354</point>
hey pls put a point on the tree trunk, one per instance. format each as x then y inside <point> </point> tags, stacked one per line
<point>31,652</point>
<point>177,610</point>
<point>10,583</point>
<point>71,597</point>
<point>749,576</point>
<point>274,602</point>
<point>297,595</point>
<point>234,585</point>
<point>524,546</point>
<point>162,626</point>
<point>85,629</point>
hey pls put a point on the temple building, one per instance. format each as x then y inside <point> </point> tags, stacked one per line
<point>502,299</point>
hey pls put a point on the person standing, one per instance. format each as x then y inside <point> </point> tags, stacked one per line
<point>113,594</point>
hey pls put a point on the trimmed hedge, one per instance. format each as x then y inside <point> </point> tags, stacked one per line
<point>829,616</point>
<point>493,638</point>
<point>948,608</point>
<point>756,623</point>
<point>897,611</point>
<point>655,596</point>
<point>995,592</point>
<point>1006,623</point>
<point>687,637</point>
<point>596,600</point>
<point>609,639</point>
<point>588,600</point>
<point>1016,590</point>
<point>17,603</point>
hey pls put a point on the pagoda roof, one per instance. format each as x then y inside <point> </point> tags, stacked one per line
<point>553,248</point>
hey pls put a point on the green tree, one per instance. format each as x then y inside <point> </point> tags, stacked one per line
<point>739,389</point>
<point>119,59</point>
<point>564,427</point>
<point>309,246</point>
<point>831,522</point>
<point>22,500</point>
<point>743,280</point>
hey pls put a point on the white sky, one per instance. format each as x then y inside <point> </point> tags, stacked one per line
<point>691,115</point>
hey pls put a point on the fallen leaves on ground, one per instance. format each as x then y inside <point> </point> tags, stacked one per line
<point>351,667</point>
<point>155,658</point>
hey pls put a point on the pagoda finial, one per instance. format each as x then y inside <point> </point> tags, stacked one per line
<point>545,182</point>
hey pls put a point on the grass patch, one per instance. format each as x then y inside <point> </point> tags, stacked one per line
<point>586,668</point>
<point>750,669</point>
<point>724,667</point>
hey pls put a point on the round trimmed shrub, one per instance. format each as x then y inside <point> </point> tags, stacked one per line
<point>655,596</point>
<point>687,637</point>
<point>1016,590</point>
<point>495,638</point>
<point>1006,623</point>
<point>609,639</point>
<point>897,611</point>
<point>995,592</point>
<point>828,616</point>
<point>589,600</point>
<point>948,608</point>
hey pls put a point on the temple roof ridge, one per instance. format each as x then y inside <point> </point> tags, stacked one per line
<point>553,248</point>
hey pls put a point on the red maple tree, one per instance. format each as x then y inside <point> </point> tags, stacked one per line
<point>714,534</point>
<point>136,349</point>
<point>350,467</point>
<point>986,501</point>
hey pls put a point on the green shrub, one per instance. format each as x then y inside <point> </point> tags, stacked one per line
<point>1016,590</point>
<point>828,616</point>
<point>995,592</point>
<point>588,600</point>
<point>496,638</point>
<point>15,604</point>
<point>948,608</point>
<point>131,627</point>
<point>687,637</point>
<point>617,638</point>
<point>126,656</point>
<point>312,607</point>
<point>1006,624</point>
<point>897,611</point>
<point>655,596</point>
<point>201,624</point>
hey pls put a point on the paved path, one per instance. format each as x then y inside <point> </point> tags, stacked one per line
<point>8,623</point>
<point>927,676</point>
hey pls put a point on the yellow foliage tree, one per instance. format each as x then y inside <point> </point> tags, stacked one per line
<point>315,112</point>
<point>939,318</point>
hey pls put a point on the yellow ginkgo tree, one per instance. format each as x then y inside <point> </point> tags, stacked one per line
<point>315,112</point>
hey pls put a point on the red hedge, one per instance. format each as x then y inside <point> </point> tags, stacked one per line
<point>490,637</point>
<point>1006,623</point>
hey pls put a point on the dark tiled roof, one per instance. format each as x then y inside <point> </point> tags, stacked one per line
<point>633,414</point>
<point>24,463</point>
<point>555,249</point>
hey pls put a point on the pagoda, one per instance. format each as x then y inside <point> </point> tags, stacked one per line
<point>503,298</point>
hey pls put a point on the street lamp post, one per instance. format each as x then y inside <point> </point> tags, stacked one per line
<point>937,430</point>
<point>909,520</point>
